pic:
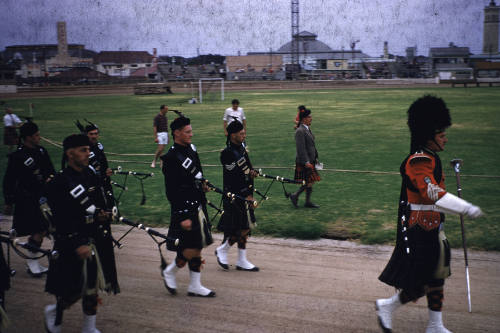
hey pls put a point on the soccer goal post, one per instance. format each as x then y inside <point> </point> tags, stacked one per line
<point>208,83</point>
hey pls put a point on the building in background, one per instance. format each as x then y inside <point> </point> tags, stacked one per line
<point>122,63</point>
<point>487,64</point>
<point>451,63</point>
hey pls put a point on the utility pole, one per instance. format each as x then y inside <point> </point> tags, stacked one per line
<point>295,38</point>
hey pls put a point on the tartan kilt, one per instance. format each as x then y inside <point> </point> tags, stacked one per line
<point>309,175</point>
<point>10,137</point>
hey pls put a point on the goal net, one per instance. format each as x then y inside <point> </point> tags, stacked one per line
<point>210,89</point>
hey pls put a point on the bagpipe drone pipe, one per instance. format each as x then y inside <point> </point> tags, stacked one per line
<point>9,238</point>
<point>279,179</point>
<point>140,176</point>
<point>154,234</point>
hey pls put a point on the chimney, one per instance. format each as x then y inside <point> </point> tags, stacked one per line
<point>491,28</point>
<point>62,39</point>
<point>386,50</point>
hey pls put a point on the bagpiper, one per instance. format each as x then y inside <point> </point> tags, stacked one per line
<point>82,237</point>
<point>238,175</point>
<point>29,169</point>
<point>185,190</point>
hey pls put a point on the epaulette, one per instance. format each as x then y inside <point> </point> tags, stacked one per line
<point>193,147</point>
<point>419,156</point>
<point>100,146</point>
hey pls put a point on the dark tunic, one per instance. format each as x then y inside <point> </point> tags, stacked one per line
<point>412,271</point>
<point>70,194</point>
<point>236,168</point>
<point>4,273</point>
<point>24,184</point>
<point>161,123</point>
<point>99,162</point>
<point>183,172</point>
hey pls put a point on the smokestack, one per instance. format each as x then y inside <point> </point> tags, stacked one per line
<point>490,31</point>
<point>62,39</point>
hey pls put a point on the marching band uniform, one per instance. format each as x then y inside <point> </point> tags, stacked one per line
<point>76,201</point>
<point>4,286</point>
<point>99,162</point>
<point>24,185</point>
<point>183,188</point>
<point>238,217</point>
<point>421,259</point>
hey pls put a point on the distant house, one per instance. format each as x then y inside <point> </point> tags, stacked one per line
<point>122,63</point>
<point>147,72</point>
<point>451,62</point>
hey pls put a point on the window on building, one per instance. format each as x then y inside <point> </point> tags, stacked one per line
<point>338,64</point>
<point>148,65</point>
<point>133,65</point>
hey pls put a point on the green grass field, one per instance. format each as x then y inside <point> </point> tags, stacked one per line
<point>355,130</point>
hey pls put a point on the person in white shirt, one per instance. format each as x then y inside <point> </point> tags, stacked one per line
<point>234,113</point>
<point>11,122</point>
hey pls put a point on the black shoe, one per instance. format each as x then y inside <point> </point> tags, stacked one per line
<point>225,266</point>
<point>253,269</point>
<point>294,199</point>
<point>211,294</point>
<point>311,205</point>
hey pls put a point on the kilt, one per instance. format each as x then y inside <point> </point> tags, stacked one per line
<point>429,259</point>
<point>309,175</point>
<point>10,137</point>
<point>198,237</point>
<point>235,218</point>
<point>28,218</point>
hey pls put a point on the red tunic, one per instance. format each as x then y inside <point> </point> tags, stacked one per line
<point>420,170</point>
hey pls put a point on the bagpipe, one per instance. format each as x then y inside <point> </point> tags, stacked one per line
<point>117,171</point>
<point>140,176</point>
<point>225,196</point>
<point>9,238</point>
<point>177,112</point>
<point>279,179</point>
<point>154,234</point>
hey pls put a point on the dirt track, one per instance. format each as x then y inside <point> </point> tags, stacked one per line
<point>303,286</point>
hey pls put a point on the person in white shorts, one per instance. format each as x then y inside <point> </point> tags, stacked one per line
<point>160,128</point>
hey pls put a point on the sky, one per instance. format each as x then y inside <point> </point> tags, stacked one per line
<point>188,27</point>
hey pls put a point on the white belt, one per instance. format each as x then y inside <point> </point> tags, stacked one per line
<point>424,207</point>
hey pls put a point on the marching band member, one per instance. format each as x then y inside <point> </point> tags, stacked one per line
<point>421,259</point>
<point>238,175</point>
<point>29,169</point>
<point>83,239</point>
<point>307,157</point>
<point>185,191</point>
